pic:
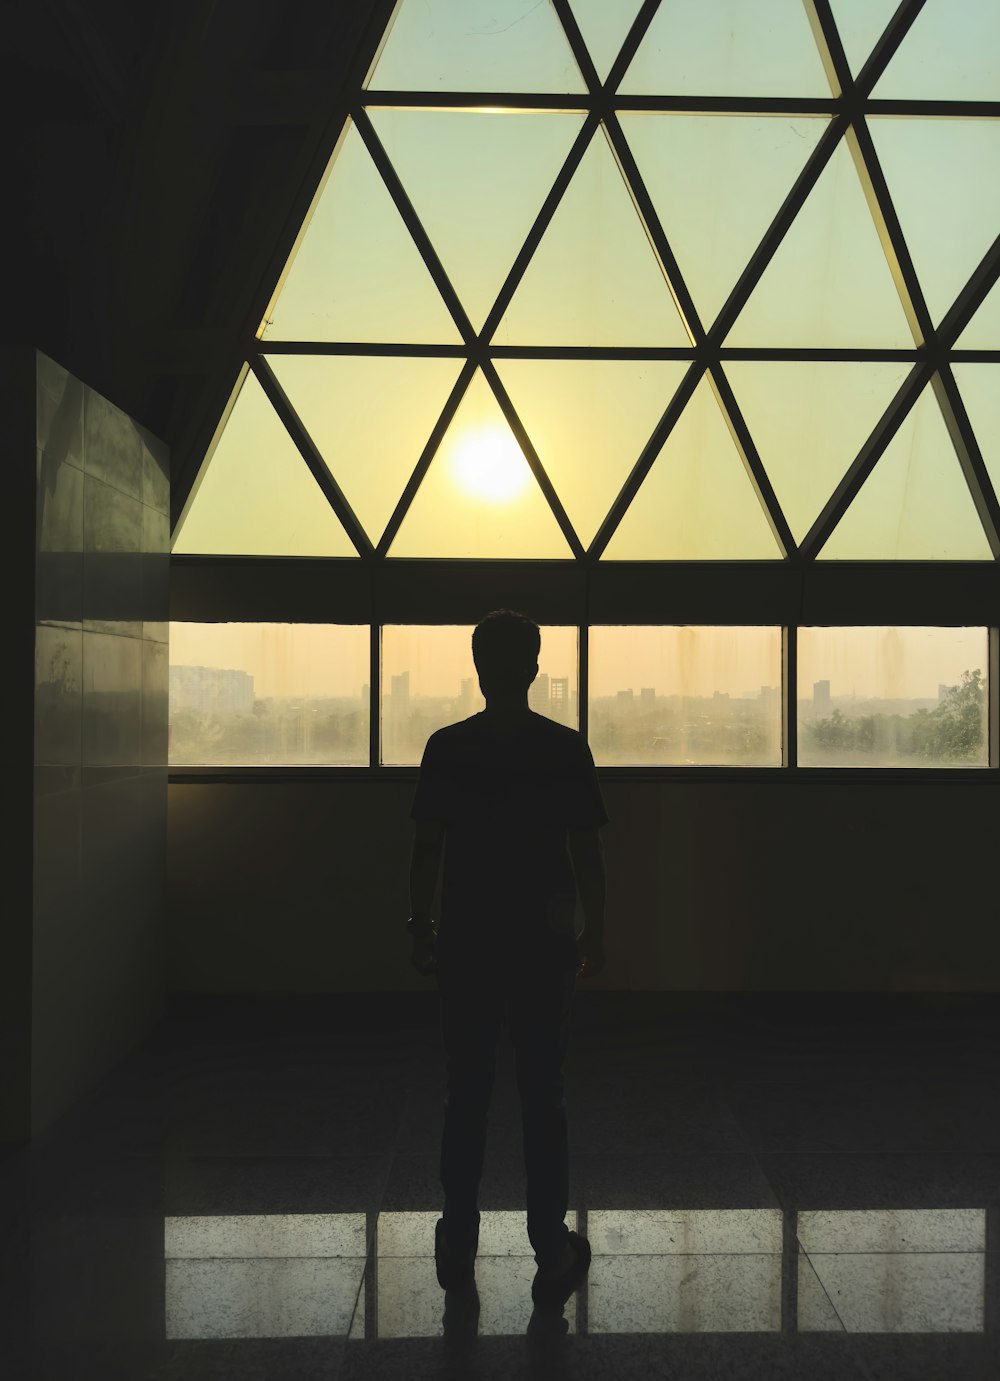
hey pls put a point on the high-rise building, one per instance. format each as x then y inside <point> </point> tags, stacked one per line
<point>211,690</point>
<point>538,693</point>
<point>821,695</point>
<point>558,697</point>
<point>647,699</point>
<point>399,692</point>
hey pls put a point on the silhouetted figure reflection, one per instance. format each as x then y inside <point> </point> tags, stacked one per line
<point>503,794</point>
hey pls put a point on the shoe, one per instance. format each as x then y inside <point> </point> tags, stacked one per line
<point>555,1284</point>
<point>453,1269</point>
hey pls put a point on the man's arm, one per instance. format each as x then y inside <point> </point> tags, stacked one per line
<point>586,851</point>
<point>425,863</point>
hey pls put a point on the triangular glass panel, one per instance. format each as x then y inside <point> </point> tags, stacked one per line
<point>950,53</point>
<point>604,27</point>
<point>594,279</point>
<point>728,48</point>
<point>983,331</point>
<point>943,179</point>
<point>370,418</point>
<point>979,385</point>
<point>809,419</point>
<point>476,45</point>
<point>915,505</point>
<point>716,182</point>
<point>256,495</point>
<point>861,23</point>
<point>588,421</point>
<point>479,497</point>
<point>828,284</point>
<point>697,502</point>
<point>356,273</point>
<point>477,181</point>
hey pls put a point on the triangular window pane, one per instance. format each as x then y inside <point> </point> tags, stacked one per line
<point>594,279</point>
<point>861,23</point>
<point>809,419</point>
<point>589,420</point>
<point>983,331</point>
<point>951,53</point>
<point>476,45</point>
<point>697,502</point>
<point>477,181</point>
<point>370,418</point>
<point>479,497</point>
<point>716,182</point>
<point>604,27</point>
<point>915,505</point>
<point>944,180</point>
<point>356,274</point>
<point>257,496</point>
<point>728,48</point>
<point>828,284</point>
<point>979,385</point>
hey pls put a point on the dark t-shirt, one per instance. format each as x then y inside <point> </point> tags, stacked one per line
<point>507,793</point>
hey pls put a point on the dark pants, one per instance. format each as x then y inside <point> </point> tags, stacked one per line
<point>532,988</point>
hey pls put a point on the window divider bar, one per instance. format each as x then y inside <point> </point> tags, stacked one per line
<point>583,680</point>
<point>963,438</point>
<point>375,696</point>
<point>790,695</point>
<point>993,731</point>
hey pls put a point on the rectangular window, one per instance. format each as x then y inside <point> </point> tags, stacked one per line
<point>429,680</point>
<point>270,694</point>
<point>893,697</point>
<point>685,696</point>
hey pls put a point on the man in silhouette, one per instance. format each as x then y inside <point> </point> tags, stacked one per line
<point>512,800</point>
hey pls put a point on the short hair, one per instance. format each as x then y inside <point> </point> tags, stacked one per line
<point>505,647</point>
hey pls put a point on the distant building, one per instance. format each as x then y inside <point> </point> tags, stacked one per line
<point>538,694</point>
<point>626,698</point>
<point>211,690</point>
<point>558,697</point>
<point>770,694</point>
<point>821,695</point>
<point>943,691</point>
<point>647,699</point>
<point>468,697</point>
<point>399,693</point>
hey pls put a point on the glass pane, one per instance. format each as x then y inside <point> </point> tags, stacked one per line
<point>477,181</point>
<point>370,418</point>
<point>697,502</point>
<point>594,279</point>
<point>828,284</point>
<point>717,182</point>
<point>476,45</point>
<point>604,28</point>
<point>682,696</point>
<point>979,385</point>
<point>949,54</point>
<point>915,505</point>
<point>983,331</point>
<point>256,495</point>
<point>356,273</point>
<point>277,694</point>
<point>589,421</point>
<point>728,48</point>
<point>892,697</point>
<point>429,679</point>
<point>479,497</point>
<point>861,23</point>
<point>809,419</point>
<point>942,177</point>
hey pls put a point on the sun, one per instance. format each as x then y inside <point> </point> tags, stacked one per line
<point>488,464</point>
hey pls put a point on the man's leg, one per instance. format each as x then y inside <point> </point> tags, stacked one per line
<point>471,1010</point>
<point>540,1000</point>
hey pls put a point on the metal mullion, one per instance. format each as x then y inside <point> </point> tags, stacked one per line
<point>583,672</point>
<point>969,300</point>
<point>414,225</point>
<point>831,50</point>
<point>993,748</point>
<point>890,232</point>
<point>593,352</point>
<point>859,470</point>
<point>974,356</point>
<point>885,49</point>
<point>541,223</point>
<point>731,105</point>
<point>531,456</point>
<point>387,348</point>
<point>790,695</point>
<point>579,49</point>
<point>790,1270</point>
<point>630,47</point>
<point>752,462</point>
<point>309,452</point>
<point>650,451</point>
<point>969,110</point>
<point>375,693</point>
<point>477,100</point>
<point>970,457</point>
<point>426,456</point>
<point>654,230</point>
<point>776,231</point>
<point>825,353</point>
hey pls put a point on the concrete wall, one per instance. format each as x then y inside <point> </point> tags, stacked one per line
<point>302,887</point>
<point>100,737</point>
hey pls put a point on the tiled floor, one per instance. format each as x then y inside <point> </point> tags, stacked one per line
<point>773,1188</point>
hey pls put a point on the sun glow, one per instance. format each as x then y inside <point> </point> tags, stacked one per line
<point>488,464</point>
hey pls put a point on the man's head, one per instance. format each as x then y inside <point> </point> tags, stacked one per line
<point>505,648</point>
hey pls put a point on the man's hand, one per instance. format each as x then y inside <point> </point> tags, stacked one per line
<point>589,955</point>
<point>422,955</point>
